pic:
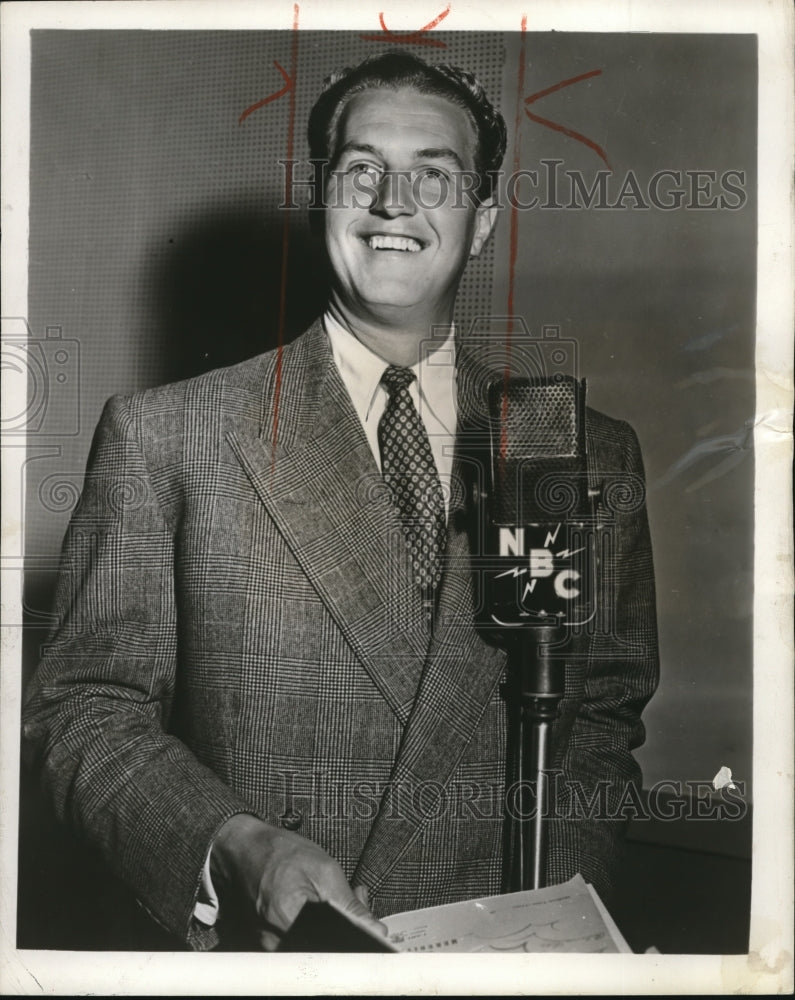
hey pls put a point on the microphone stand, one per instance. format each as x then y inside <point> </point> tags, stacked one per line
<point>536,683</point>
<point>537,477</point>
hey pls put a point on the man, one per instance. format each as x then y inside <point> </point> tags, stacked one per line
<point>266,685</point>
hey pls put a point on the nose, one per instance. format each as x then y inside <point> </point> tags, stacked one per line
<point>395,196</point>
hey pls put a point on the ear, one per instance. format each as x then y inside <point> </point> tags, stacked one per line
<point>485,217</point>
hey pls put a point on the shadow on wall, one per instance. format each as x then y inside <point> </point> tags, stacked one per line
<point>219,287</point>
<point>217,297</point>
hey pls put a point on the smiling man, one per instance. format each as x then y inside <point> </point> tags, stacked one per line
<point>399,233</point>
<point>266,685</point>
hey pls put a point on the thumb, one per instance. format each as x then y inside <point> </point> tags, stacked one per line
<point>355,906</point>
<point>268,941</point>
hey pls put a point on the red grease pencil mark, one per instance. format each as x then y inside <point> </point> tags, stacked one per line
<point>289,85</point>
<point>413,38</point>
<point>561,128</point>
<point>288,88</point>
<point>285,235</point>
<point>514,244</point>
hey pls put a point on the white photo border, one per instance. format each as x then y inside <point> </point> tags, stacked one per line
<point>768,966</point>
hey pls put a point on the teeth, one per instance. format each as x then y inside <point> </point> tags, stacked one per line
<point>393,243</point>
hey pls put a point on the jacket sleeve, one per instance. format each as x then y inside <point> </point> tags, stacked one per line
<point>598,777</point>
<point>98,706</point>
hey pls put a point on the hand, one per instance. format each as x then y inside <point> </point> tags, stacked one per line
<point>270,873</point>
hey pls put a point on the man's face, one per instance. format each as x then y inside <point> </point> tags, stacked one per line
<point>399,224</point>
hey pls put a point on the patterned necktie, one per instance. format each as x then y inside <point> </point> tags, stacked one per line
<point>410,473</point>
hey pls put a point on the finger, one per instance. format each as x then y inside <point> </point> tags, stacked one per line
<point>268,940</point>
<point>282,911</point>
<point>334,888</point>
<point>355,908</point>
<point>362,893</point>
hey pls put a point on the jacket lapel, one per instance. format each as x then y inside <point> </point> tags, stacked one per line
<point>312,468</point>
<point>460,675</point>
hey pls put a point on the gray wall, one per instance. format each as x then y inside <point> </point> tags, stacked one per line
<point>662,306</point>
<point>155,248</point>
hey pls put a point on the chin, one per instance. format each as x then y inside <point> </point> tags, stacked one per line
<point>390,312</point>
<point>394,298</point>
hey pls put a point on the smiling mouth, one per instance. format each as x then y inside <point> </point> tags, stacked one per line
<point>403,244</point>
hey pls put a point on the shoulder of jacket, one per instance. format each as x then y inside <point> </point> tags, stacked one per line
<point>604,430</point>
<point>253,377</point>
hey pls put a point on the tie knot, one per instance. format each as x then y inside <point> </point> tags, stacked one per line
<point>394,379</point>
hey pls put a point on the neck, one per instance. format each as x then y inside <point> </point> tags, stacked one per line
<point>403,342</point>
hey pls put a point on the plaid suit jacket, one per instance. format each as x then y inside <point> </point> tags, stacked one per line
<point>239,631</point>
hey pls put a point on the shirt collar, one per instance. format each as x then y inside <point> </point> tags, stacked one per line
<point>361,370</point>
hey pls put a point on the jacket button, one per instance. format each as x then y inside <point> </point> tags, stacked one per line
<point>292,819</point>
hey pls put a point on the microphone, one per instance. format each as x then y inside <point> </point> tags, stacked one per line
<point>536,574</point>
<point>536,561</point>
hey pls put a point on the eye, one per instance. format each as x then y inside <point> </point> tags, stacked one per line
<point>433,174</point>
<point>368,170</point>
<point>431,186</point>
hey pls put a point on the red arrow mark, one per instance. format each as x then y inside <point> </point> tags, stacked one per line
<point>289,85</point>
<point>413,38</point>
<point>562,128</point>
<point>288,88</point>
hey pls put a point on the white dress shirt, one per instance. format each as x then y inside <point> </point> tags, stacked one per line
<point>433,393</point>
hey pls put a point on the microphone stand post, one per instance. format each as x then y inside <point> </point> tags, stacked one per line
<point>535,688</point>
<point>536,508</point>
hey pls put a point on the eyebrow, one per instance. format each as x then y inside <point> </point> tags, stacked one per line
<point>431,153</point>
<point>356,147</point>
<point>439,153</point>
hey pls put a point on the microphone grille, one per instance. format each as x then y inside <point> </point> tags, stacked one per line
<point>538,460</point>
<point>542,418</point>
